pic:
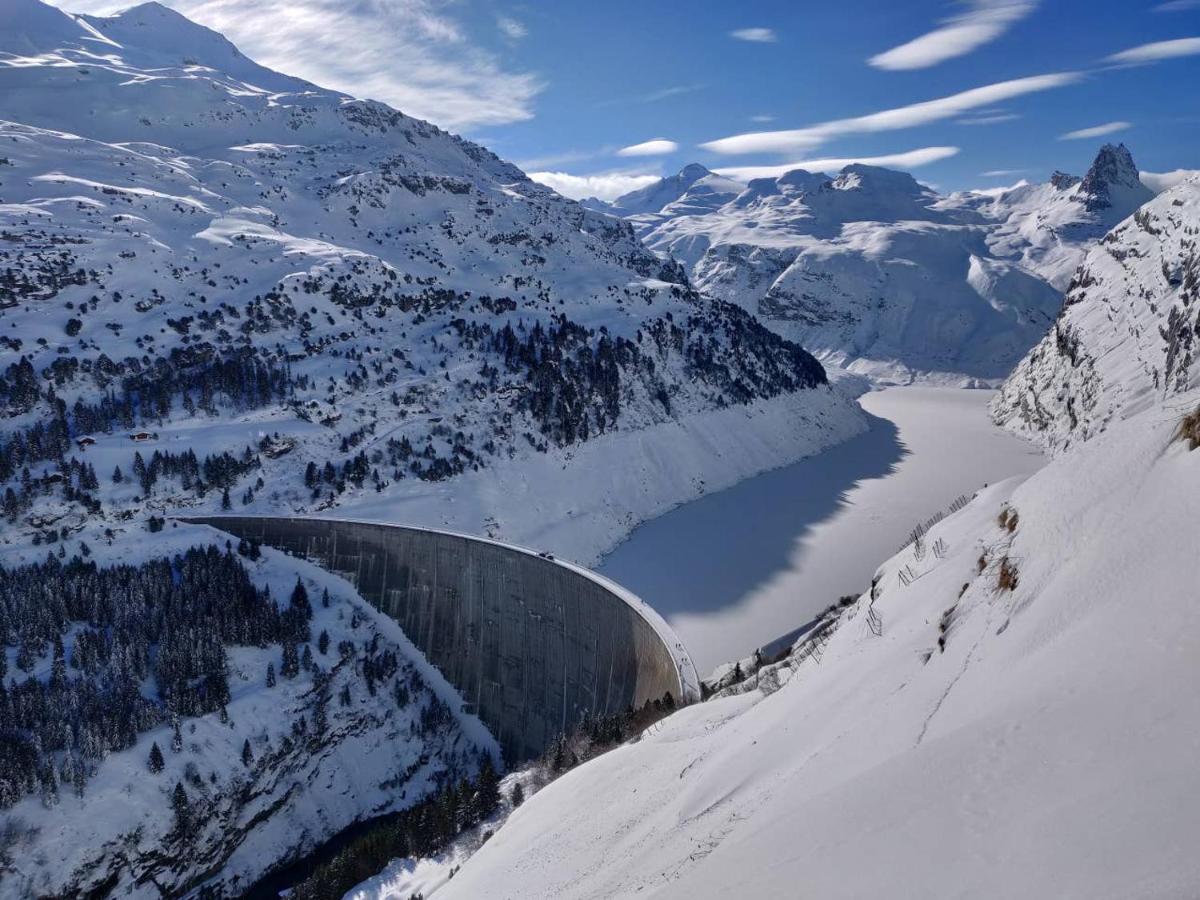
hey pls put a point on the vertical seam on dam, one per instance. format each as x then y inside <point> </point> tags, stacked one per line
<point>533,644</point>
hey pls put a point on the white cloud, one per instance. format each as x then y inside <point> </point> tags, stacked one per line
<point>992,119</point>
<point>606,186</point>
<point>891,119</point>
<point>411,54</point>
<point>566,158</point>
<point>755,35</point>
<point>1164,181</point>
<point>656,147</point>
<point>985,21</point>
<point>910,160</point>
<point>1000,173</point>
<point>1159,50</point>
<point>1177,6</point>
<point>762,118</point>
<point>998,191</point>
<point>1095,131</point>
<point>511,28</point>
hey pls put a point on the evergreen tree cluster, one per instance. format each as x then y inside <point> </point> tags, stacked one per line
<point>194,379</point>
<point>419,831</point>
<point>167,618</point>
<point>574,387</point>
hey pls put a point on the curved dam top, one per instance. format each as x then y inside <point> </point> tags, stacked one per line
<point>532,643</point>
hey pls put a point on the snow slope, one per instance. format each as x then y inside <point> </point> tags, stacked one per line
<point>873,271</point>
<point>1049,749</point>
<point>1126,337</point>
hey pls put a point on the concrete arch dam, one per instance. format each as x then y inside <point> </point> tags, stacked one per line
<point>532,643</point>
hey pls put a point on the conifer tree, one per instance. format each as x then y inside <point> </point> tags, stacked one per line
<point>156,761</point>
<point>181,807</point>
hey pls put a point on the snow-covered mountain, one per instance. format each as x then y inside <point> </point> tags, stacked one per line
<point>421,305</point>
<point>1007,711</point>
<point>868,269</point>
<point>873,271</point>
<point>1048,227</point>
<point>223,287</point>
<point>1126,340</point>
<point>697,188</point>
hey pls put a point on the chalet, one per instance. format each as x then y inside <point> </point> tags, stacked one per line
<point>84,442</point>
<point>140,436</point>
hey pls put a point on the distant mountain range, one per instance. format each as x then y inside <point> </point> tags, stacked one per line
<point>871,270</point>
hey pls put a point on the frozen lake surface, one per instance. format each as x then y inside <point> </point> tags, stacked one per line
<point>737,569</point>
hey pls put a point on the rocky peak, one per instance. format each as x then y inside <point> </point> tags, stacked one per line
<point>1112,173</point>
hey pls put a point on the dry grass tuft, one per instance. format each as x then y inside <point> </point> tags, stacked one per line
<point>1006,575</point>
<point>1189,430</point>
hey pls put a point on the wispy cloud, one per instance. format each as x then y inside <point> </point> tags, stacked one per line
<point>511,28</point>
<point>981,24</point>
<point>910,160</point>
<point>675,90</point>
<point>755,35</point>
<point>656,147</point>
<point>1159,50</point>
<point>1095,131</point>
<point>1177,6</point>
<point>802,139</point>
<point>989,118</point>
<point>605,185</point>
<point>763,118</point>
<point>412,54</point>
<point>566,158</point>
<point>1001,173</point>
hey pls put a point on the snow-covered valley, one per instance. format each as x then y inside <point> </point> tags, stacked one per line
<point>228,290</point>
<point>740,568</point>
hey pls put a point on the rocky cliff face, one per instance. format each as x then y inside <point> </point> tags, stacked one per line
<point>1127,334</point>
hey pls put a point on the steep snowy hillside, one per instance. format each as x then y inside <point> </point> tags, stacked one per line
<point>1049,227</point>
<point>144,758</point>
<point>1008,712</point>
<point>1127,335</point>
<point>869,270</point>
<point>399,305</point>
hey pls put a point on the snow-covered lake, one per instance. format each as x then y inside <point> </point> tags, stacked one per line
<point>737,569</point>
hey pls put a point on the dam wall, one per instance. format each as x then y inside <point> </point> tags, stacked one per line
<point>532,644</point>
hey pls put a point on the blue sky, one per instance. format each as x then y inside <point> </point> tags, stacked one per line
<point>562,87</point>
